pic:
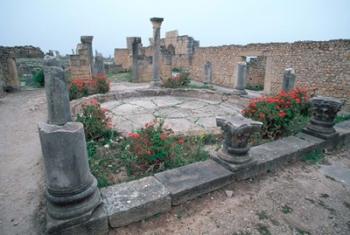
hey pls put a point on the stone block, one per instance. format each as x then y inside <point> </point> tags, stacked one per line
<point>97,224</point>
<point>187,182</point>
<point>134,201</point>
<point>272,155</point>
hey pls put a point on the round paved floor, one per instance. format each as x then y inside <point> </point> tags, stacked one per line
<point>184,115</point>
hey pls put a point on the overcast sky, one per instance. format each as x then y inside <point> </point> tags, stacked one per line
<point>58,24</point>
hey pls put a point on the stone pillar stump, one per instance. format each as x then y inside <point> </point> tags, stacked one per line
<point>288,79</point>
<point>324,110</point>
<point>240,78</point>
<point>235,150</point>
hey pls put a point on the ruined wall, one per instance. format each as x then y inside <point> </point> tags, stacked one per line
<point>324,66</point>
<point>122,58</point>
<point>81,64</point>
<point>28,52</point>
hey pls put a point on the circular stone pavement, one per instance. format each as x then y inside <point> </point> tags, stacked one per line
<point>184,115</point>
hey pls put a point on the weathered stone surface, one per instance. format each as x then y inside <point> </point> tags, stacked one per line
<point>241,77</point>
<point>99,66</point>
<point>156,22</point>
<point>135,200</point>
<point>57,96</point>
<point>324,110</point>
<point>187,182</point>
<point>272,155</point>
<point>339,172</point>
<point>71,188</point>
<point>96,224</point>
<point>288,79</point>
<point>183,114</point>
<point>208,73</point>
<point>237,131</point>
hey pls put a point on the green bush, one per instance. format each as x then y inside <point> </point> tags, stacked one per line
<point>280,114</point>
<point>39,78</point>
<point>181,79</point>
<point>97,125</point>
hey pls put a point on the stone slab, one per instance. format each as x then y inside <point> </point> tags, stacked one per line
<point>337,171</point>
<point>272,155</point>
<point>97,224</point>
<point>187,182</point>
<point>136,200</point>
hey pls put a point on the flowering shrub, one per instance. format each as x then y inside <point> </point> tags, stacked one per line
<point>84,87</point>
<point>180,78</point>
<point>278,112</point>
<point>153,148</point>
<point>96,123</point>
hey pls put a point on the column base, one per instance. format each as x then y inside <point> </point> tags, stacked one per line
<point>327,133</point>
<point>232,163</point>
<point>156,84</point>
<point>239,92</point>
<point>90,224</point>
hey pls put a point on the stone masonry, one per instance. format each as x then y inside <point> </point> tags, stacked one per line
<point>81,64</point>
<point>320,65</point>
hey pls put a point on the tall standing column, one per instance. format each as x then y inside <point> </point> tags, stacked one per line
<point>156,22</point>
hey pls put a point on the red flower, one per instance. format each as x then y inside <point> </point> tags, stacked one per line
<point>163,136</point>
<point>282,114</point>
<point>181,141</point>
<point>134,135</point>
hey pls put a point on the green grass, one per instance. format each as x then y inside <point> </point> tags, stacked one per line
<point>106,163</point>
<point>314,157</point>
<point>342,118</point>
<point>286,209</point>
<point>120,77</point>
<point>254,87</point>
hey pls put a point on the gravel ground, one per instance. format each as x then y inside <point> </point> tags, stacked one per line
<point>298,199</point>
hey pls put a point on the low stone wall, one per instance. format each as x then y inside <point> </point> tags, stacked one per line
<point>137,200</point>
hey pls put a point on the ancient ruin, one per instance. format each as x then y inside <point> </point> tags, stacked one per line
<point>109,143</point>
<point>81,64</point>
<point>72,194</point>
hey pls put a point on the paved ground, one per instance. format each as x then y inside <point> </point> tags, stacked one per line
<point>299,199</point>
<point>183,115</point>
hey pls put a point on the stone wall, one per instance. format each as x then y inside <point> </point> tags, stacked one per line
<point>17,61</point>
<point>320,65</point>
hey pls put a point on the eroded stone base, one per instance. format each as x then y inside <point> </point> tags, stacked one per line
<point>94,224</point>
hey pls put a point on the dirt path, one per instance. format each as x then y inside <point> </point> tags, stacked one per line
<point>21,171</point>
<point>295,200</point>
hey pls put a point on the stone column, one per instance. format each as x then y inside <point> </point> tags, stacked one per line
<point>324,110</point>
<point>288,79</point>
<point>135,53</point>
<point>99,64</point>
<point>241,77</point>
<point>156,22</point>
<point>208,73</point>
<point>71,191</point>
<point>87,41</point>
<point>237,131</point>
